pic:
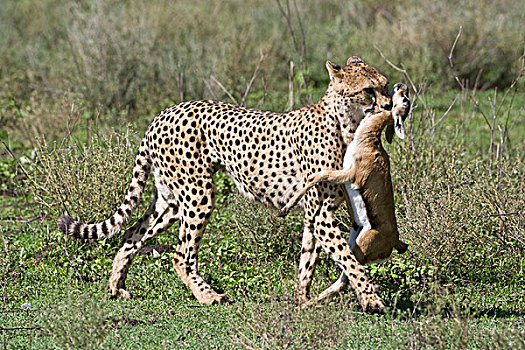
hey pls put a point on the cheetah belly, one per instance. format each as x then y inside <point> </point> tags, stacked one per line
<point>272,188</point>
<point>263,168</point>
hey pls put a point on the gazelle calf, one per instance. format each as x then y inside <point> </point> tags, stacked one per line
<point>367,180</point>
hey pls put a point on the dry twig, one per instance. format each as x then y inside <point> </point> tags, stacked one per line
<point>254,76</point>
<point>230,96</point>
<point>407,76</point>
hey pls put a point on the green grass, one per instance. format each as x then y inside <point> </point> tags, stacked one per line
<point>80,84</point>
<point>71,318</point>
<point>462,292</point>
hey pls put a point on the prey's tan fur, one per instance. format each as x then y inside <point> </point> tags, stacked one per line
<point>370,175</point>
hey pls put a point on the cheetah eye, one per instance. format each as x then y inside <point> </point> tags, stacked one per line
<point>369,91</point>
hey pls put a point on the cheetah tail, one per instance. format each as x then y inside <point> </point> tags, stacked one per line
<point>112,225</point>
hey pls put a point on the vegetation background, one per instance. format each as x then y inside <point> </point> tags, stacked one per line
<point>81,80</point>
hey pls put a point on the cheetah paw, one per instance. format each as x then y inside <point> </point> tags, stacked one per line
<point>124,294</point>
<point>374,305</point>
<point>219,299</point>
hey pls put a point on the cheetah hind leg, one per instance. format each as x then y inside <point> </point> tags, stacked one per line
<point>338,286</point>
<point>342,282</point>
<point>159,216</point>
<point>192,224</point>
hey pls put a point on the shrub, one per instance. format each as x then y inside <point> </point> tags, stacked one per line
<point>86,180</point>
<point>457,209</point>
<point>140,56</point>
<point>80,322</point>
<point>248,250</point>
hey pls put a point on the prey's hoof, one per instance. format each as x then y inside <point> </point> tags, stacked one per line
<point>401,247</point>
<point>282,213</point>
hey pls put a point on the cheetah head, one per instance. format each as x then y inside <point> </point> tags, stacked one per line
<point>356,90</point>
<point>360,86</point>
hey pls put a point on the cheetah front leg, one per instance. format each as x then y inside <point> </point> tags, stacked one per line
<point>320,209</point>
<point>196,212</point>
<point>308,260</point>
<point>342,282</point>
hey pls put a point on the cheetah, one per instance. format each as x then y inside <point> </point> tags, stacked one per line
<point>268,155</point>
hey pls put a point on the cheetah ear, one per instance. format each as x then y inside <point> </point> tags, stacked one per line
<point>334,70</point>
<point>353,60</point>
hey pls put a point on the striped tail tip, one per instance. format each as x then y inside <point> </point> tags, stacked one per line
<point>64,222</point>
<point>77,229</point>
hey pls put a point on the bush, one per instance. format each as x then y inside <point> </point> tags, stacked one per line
<point>81,322</point>
<point>88,181</point>
<point>141,56</point>
<point>248,250</point>
<point>458,208</point>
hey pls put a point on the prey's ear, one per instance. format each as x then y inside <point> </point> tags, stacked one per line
<point>401,106</point>
<point>334,70</point>
<point>398,128</point>
<point>389,133</point>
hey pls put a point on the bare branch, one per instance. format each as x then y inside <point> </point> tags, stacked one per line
<point>301,28</point>
<point>287,17</point>
<point>453,47</point>
<point>290,87</point>
<point>208,87</point>
<point>6,248</point>
<point>405,73</point>
<point>444,114</point>
<point>224,89</point>
<point>254,76</point>
<point>461,85</point>
<point>492,104</point>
